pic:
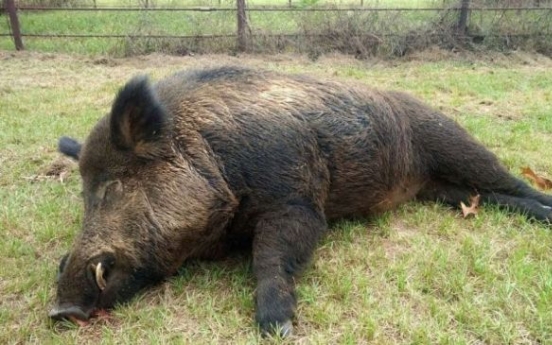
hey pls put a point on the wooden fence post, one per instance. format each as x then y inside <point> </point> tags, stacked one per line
<point>463,20</point>
<point>9,5</point>
<point>242,25</point>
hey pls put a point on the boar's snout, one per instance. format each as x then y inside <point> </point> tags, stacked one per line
<point>69,312</point>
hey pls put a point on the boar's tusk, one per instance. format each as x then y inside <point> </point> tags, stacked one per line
<point>100,276</point>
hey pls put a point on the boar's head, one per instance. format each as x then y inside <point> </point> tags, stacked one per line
<point>149,197</point>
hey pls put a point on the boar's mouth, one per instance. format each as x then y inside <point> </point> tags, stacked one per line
<point>69,312</point>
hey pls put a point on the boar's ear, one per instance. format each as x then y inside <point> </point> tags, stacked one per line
<point>69,147</point>
<point>139,121</point>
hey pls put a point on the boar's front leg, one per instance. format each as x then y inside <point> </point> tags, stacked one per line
<point>283,244</point>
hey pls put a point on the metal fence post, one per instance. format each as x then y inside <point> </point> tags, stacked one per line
<point>9,5</point>
<point>463,20</point>
<point>242,25</point>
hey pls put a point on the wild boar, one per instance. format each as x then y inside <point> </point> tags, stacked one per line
<point>184,168</point>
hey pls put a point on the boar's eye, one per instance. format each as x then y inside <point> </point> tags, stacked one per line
<point>114,186</point>
<point>109,190</point>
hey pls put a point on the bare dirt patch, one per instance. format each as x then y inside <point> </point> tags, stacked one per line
<point>60,169</point>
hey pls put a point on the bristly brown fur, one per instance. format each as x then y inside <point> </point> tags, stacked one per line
<point>205,159</point>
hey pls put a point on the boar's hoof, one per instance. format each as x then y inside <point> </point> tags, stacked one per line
<point>283,330</point>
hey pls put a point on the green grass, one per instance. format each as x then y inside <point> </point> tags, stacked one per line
<point>419,275</point>
<point>231,3</point>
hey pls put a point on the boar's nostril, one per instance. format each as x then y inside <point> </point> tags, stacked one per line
<point>60,313</point>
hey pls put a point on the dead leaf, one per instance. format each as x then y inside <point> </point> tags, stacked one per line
<point>473,208</point>
<point>539,181</point>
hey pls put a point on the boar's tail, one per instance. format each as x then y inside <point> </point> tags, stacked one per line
<point>69,147</point>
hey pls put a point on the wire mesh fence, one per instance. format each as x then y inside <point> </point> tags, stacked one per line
<point>359,27</point>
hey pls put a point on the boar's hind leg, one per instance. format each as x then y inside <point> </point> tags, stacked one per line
<point>461,166</point>
<point>453,195</point>
<point>284,242</point>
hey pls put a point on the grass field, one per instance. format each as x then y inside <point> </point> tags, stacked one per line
<point>360,33</point>
<point>419,275</point>
<point>187,24</point>
<point>252,3</point>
